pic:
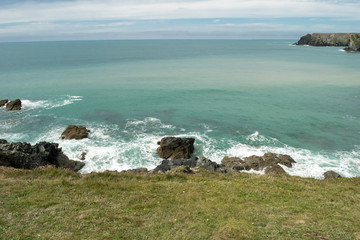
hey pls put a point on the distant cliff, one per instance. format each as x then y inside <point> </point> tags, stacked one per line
<point>349,40</point>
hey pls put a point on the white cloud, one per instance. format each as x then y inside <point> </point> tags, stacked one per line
<point>170,9</point>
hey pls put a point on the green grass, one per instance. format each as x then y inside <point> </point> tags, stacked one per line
<point>56,204</point>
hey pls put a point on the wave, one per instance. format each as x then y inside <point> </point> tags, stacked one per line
<point>133,145</point>
<point>49,104</point>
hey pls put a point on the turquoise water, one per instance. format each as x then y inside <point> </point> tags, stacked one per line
<point>237,98</point>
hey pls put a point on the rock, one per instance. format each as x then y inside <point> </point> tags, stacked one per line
<point>75,132</point>
<point>25,156</point>
<point>275,170</point>
<point>209,165</point>
<point>82,156</point>
<point>354,42</point>
<point>138,170</point>
<point>3,102</point>
<point>272,158</point>
<point>14,105</point>
<point>257,163</point>
<point>175,148</point>
<point>331,174</point>
<point>325,39</point>
<point>202,162</point>
<point>234,164</point>
<point>182,169</point>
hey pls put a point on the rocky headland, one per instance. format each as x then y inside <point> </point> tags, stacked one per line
<point>351,41</point>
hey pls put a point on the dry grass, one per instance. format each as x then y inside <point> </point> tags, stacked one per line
<point>57,204</point>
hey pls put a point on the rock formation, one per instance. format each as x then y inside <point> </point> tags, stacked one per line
<point>175,148</point>
<point>194,162</point>
<point>269,162</point>
<point>354,43</point>
<point>349,40</point>
<point>25,156</point>
<point>331,174</point>
<point>75,132</point>
<point>14,105</point>
<point>3,102</point>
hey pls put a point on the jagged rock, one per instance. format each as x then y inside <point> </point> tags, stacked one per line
<point>202,162</point>
<point>82,156</point>
<point>3,102</point>
<point>75,132</point>
<point>258,163</point>
<point>24,155</point>
<point>175,148</point>
<point>331,174</point>
<point>14,105</point>
<point>275,170</point>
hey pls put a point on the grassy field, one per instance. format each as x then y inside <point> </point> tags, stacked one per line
<point>56,204</point>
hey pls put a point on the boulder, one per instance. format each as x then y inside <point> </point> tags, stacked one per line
<point>14,105</point>
<point>275,170</point>
<point>75,132</point>
<point>175,148</point>
<point>331,174</point>
<point>25,156</point>
<point>3,102</point>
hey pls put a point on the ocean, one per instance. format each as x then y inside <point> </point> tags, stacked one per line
<point>235,97</point>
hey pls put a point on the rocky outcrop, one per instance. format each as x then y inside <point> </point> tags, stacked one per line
<point>175,148</point>
<point>331,174</point>
<point>194,162</point>
<point>14,105</point>
<point>349,40</point>
<point>3,102</point>
<point>25,156</point>
<point>325,39</point>
<point>75,132</point>
<point>354,43</point>
<point>268,162</point>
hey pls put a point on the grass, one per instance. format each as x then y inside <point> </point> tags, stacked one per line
<point>57,204</point>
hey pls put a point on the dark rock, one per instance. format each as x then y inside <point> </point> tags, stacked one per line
<point>14,105</point>
<point>75,132</point>
<point>209,165</point>
<point>25,156</point>
<point>175,148</point>
<point>83,156</point>
<point>275,170</point>
<point>3,102</point>
<point>254,162</point>
<point>201,162</point>
<point>331,174</point>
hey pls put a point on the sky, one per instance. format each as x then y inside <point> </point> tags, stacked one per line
<point>51,20</point>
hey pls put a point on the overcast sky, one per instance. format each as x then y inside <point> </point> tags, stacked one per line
<point>42,20</point>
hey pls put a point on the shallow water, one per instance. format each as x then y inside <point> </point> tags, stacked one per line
<point>237,98</point>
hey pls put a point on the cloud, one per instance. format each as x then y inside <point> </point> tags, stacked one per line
<point>211,18</point>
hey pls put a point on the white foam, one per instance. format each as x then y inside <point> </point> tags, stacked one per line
<point>48,104</point>
<point>147,124</point>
